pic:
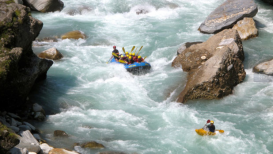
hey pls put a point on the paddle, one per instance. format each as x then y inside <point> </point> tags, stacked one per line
<point>144,58</point>
<point>121,61</point>
<point>114,54</point>
<point>109,59</point>
<point>220,131</point>
<point>133,49</point>
<point>139,50</point>
<point>123,50</point>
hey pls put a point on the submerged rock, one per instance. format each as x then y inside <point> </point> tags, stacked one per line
<point>51,53</point>
<point>74,35</point>
<point>60,133</point>
<point>79,10</point>
<point>61,151</point>
<point>92,145</point>
<point>214,67</point>
<point>227,14</point>
<point>45,5</point>
<point>246,28</point>
<point>19,66</point>
<point>264,68</point>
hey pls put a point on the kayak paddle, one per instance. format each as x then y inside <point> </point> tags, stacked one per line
<point>139,50</point>
<point>123,50</point>
<point>133,49</point>
<point>220,131</point>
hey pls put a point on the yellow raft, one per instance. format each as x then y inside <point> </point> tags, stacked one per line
<point>203,132</point>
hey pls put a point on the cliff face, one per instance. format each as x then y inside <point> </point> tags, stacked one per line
<point>19,66</point>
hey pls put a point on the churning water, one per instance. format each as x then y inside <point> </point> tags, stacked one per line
<point>95,101</point>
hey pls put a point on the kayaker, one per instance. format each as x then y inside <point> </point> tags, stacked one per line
<point>134,57</point>
<point>211,127</point>
<point>206,125</point>
<point>124,58</point>
<point>130,61</point>
<point>116,52</point>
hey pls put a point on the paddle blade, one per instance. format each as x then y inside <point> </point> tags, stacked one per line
<point>123,49</point>
<point>114,54</point>
<point>121,61</point>
<point>139,50</point>
<point>133,48</point>
<point>221,131</point>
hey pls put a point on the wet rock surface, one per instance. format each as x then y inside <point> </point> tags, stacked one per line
<point>45,5</point>
<point>246,28</point>
<point>227,14</point>
<point>264,68</point>
<point>214,67</point>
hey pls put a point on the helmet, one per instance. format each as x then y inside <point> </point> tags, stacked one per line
<point>130,57</point>
<point>130,54</point>
<point>121,56</point>
<point>126,52</point>
<point>212,122</point>
<point>208,121</point>
<point>139,57</point>
<point>133,54</point>
<point>114,46</point>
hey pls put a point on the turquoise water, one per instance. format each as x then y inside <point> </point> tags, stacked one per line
<point>138,114</point>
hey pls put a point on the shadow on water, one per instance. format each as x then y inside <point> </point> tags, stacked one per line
<point>48,93</point>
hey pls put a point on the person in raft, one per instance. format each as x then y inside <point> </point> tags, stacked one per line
<point>140,59</point>
<point>116,52</point>
<point>211,127</point>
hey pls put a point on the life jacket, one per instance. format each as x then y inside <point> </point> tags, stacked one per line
<point>140,60</point>
<point>135,58</point>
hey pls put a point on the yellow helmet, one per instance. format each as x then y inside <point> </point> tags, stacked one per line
<point>130,54</point>
<point>212,122</point>
<point>130,57</point>
<point>139,57</point>
<point>121,56</point>
<point>126,52</point>
<point>133,54</point>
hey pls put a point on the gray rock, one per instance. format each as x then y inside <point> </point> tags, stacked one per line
<point>24,127</point>
<point>15,129</point>
<point>19,123</point>
<point>51,53</point>
<point>264,68</point>
<point>37,108</point>
<point>13,122</point>
<point>215,67</point>
<point>39,116</point>
<point>227,14</point>
<point>45,5</point>
<point>16,150</point>
<point>31,126</point>
<point>185,46</point>
<point>3,120</point>
<point>45,148</point>
<point>37,136</point>
<point>14,116</point>
<point>28,141</point>
<point>246,28</point>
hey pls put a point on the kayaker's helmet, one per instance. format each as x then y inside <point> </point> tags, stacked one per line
<point>121,56</point>
<point>126,53</point>
<point>133,54</point>
<point>130,57</point>
<point>139,57</point>
<point>114,47</point>
<point>130,54</point>
<point>208,121</point>
<point>212,122</point>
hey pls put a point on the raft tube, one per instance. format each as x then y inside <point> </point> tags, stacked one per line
<point>135,68</point>
<point>203,132</point>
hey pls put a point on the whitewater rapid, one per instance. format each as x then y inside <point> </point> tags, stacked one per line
<point>95,101</point>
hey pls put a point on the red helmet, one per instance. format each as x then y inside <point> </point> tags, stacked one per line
<point>208,121</point>
<point>114,46</point>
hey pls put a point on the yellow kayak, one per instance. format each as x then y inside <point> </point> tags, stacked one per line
<point>203,132</point>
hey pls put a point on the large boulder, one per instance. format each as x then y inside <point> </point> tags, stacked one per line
<point>264,68</point>
<point>8,138</point>
<point>51,53</point>
<point>214,67</point>
<point>227,14</point>
<point>45,5</point>
<point>246,28</point>
<point>19,66</point>
<point>74,35</point>
<point>28,141</point>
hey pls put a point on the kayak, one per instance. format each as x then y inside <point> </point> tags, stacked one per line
<point>203,132</point>
<point>135,68</point>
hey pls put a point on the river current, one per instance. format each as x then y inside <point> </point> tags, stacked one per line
<point>95,101</point>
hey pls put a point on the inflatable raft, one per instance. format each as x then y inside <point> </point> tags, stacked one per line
<point>203,132</point>
<point>135,68</point>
